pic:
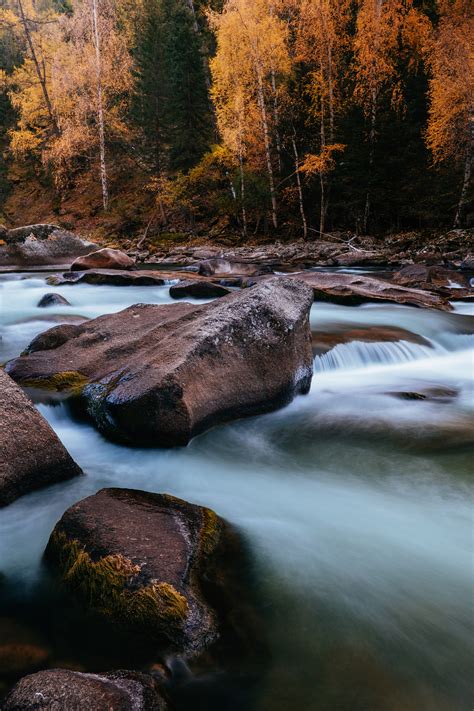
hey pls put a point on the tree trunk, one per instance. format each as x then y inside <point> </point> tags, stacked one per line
<point>368,196</point>
<point>300,189</point>
<point>266,135</point>
<point>100,107</point>
<point>276,118</point>
<point>242,194</point>
<point>41,74</point>
<point>463,198</point>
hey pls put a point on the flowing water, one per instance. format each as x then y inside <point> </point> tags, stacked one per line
<point>355,500</point>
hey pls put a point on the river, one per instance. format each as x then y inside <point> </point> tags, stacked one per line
<point>356,502</point>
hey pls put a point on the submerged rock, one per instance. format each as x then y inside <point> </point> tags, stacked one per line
<point>52,300</point>
<point>64,690</point>
<point>31,455</point>
<point>152,565</point>
<point>158,375</point>
<point>197,290</point>
<point>353,289</point>
<point>103,259</point>
<point>36,245</point>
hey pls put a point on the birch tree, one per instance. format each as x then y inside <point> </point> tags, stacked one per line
<point>251,41</point>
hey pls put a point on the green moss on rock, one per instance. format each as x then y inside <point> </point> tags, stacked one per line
<point>68,381</point>
<point>111,587</point>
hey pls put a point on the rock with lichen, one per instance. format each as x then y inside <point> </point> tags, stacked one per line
<point>64,690</point>
<point>158,375</point>
<point>157,568</point>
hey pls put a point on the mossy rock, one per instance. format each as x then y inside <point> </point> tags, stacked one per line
<point>151,565</point>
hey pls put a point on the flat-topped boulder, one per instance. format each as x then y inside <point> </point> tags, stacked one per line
<point>40,245</point>
<point>64,690</point>
<point>108,277</point>
<point>354,289</point>
<point>323,341</point>
<point>197,289</point>
<point>105,258</point>
<point>158,375</point>
<point>31,455</point>
<point>157,568</point>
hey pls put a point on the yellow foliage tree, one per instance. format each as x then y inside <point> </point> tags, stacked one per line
<point>248,72</point>
<point>450,131</point>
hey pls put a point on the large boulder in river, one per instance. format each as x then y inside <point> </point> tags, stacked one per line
<point>160,569</point>
<point>64,690</point>
<point>40,245</point>
<point>31,455</point>
<point>103,259</point>
<point>158,375</point>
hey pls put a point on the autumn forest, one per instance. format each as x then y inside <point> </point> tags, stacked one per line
<point>292,117</point>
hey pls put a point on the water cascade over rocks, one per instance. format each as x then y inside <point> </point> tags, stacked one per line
<point>355,502</point>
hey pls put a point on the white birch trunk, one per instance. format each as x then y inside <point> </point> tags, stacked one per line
<point>100,106</point>
<point>266,136</point>
<point>300,189</point>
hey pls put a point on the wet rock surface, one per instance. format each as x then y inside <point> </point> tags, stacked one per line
<point>159,568</point>
<point>103,259</point>
<point>64,690</point>
<point>197,290</point>
<point>158,375</point>
<point>52,300</point>
<point>31,455</point>
<point>353,289</point>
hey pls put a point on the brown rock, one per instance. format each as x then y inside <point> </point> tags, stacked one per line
<point>158,375</point>
<point>152,565</point>
<point>64,690</point>
<point>324,341</point>
<point>420,275</point>
<point>52,300</point>
<point>31,455</point>
<point>103,259</point>
<point>352,289</point>
<point>198,290</point>
<point>109,277</point>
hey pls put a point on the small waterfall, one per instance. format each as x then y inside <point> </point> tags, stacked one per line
<point>357,354</point>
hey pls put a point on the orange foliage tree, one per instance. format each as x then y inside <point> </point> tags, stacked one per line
<point>450,131</point>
